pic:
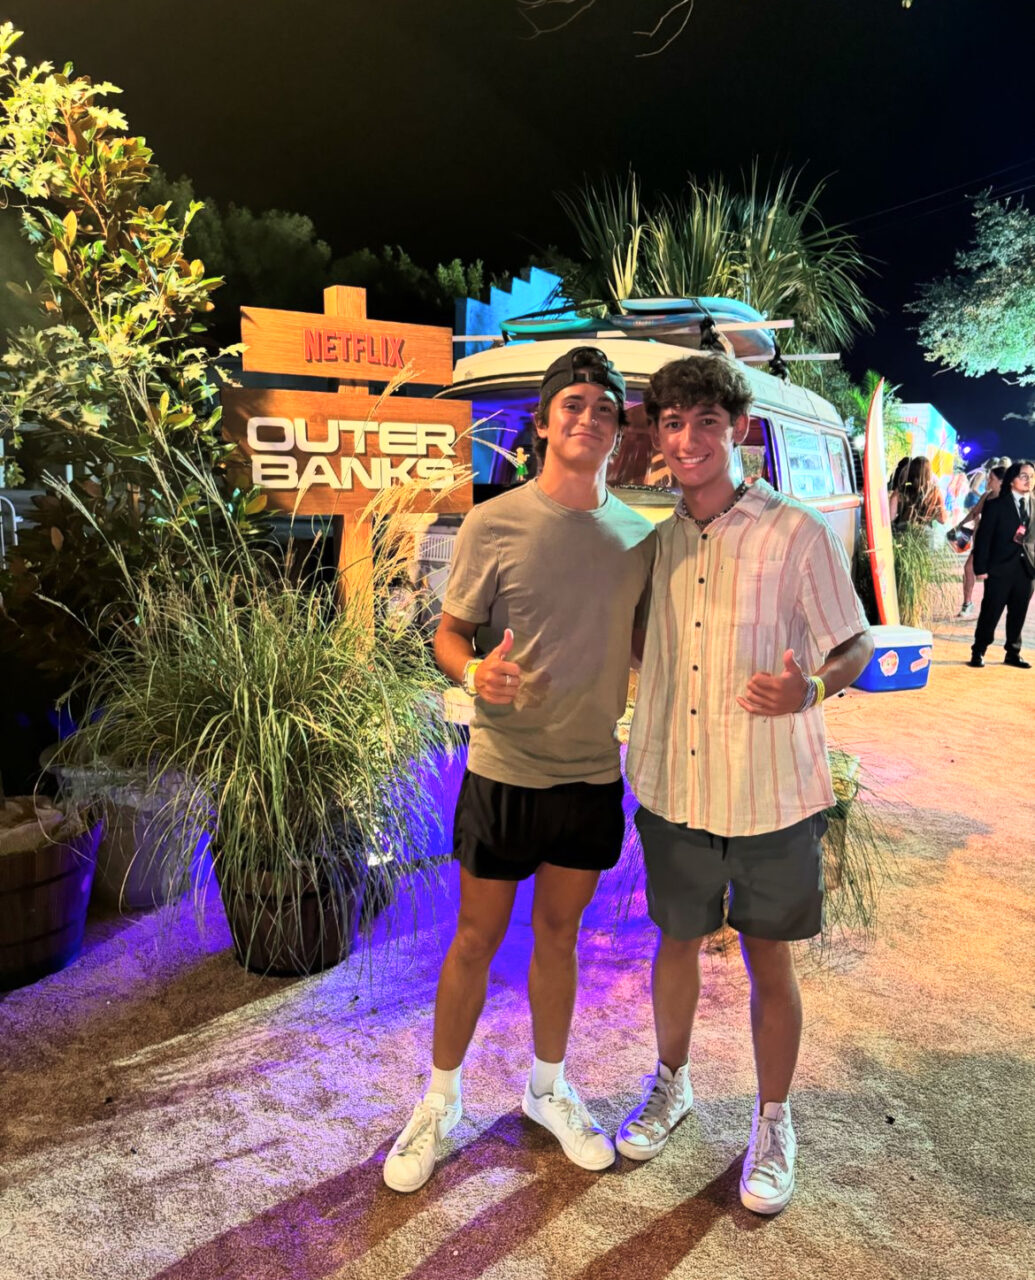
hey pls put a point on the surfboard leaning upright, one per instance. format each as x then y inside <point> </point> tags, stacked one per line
<point>879,546</point>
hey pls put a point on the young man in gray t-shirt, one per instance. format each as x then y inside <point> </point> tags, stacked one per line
<point>553,575</point>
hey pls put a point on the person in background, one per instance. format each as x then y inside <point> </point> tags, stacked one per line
<point>969,523</point>
<point>920,500</point>
<point>978,485</point>
<point>1004,560</point>
<point>898,479</point>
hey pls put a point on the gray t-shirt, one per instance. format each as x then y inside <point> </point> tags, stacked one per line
<point>569,584</point>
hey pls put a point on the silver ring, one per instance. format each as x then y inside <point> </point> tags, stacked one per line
<point>507,678</point>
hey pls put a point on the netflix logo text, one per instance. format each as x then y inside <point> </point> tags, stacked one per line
<point>350,346</point>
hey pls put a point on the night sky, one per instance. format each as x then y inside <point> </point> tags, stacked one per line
<point>440,127</point>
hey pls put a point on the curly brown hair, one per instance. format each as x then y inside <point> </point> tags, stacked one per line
<point>711,380</point>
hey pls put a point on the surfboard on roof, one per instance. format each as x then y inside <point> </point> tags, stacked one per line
<point>680,321</point>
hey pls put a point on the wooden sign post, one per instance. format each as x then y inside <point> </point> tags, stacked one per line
<point>353,539</point>
<point>318,453</point>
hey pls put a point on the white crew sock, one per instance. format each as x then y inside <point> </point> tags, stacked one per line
<point>545,1075</point>
<point>447,1083</point>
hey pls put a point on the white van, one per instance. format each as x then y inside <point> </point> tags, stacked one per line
<point>797,441</point>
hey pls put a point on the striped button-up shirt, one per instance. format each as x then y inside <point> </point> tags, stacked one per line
<point>768,576</point>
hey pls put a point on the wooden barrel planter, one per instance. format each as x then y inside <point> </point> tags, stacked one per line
<point>44,893</point>
<point>290,936</point>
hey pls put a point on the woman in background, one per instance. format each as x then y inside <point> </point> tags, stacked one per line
<point>920,500</point>
<point>898,479</point>
<point>978,484</point>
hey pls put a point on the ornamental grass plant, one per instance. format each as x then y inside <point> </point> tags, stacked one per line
<point>293,730</point>
<point>858,853</point>
<point>856,850</point>
<point>926,575</point>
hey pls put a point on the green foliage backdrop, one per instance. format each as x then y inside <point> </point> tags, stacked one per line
<point>113,368</point>
<point>766,245</point>
<point>981,318</point>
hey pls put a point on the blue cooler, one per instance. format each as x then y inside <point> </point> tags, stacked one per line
<point>901,660</point>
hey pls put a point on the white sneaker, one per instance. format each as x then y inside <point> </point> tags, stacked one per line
<point>412,1158</point>
<point>965,611</point>
<point>565,1115</point>
<point>767,1182</point>
<point>667,1098</point>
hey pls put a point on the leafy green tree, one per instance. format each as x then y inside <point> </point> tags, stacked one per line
<point>275,259</point>
<point>981,318</point>
<point>766,245</point>
<point>114,381</point>
<point>396,285</point>
<point>20,277</point>
<point>268,259</point>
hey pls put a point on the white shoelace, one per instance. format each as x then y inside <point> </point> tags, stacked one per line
<point>574,1110</point>
<point>656,1101</point>
<point>770,1157</point>
<point>422,1126</point>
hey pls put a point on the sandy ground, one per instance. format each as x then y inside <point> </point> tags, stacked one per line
<point>164,1114</point>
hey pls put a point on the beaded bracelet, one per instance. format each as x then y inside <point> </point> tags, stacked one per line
<point>814,694</point>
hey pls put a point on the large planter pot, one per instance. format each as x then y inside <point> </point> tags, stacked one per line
<point>140,860</point>
<point>288,937</point>
<point>45,882</point>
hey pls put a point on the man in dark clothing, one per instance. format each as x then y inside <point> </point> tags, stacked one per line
<point>1004,559</point>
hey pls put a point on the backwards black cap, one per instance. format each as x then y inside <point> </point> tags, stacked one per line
<point>580,364</point>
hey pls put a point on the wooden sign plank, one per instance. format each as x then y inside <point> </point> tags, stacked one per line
<point>342,346</point>
<point>319,453</point>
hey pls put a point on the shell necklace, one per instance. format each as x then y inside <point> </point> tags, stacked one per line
<point>684,514</point>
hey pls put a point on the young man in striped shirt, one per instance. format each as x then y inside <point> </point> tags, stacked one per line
<point>753,621</point>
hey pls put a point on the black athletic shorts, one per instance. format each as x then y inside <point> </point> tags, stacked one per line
<point>502,832</point>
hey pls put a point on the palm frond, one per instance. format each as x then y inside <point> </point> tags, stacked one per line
<point>766,245</point>
<point>610,229</point>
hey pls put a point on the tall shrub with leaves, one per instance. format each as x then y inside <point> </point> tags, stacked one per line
<point>980,318</point>
<point>767,245</point>
<point>116,368</point>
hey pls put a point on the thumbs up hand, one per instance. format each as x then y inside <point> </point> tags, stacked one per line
<point>767,695</point>
<point>497,679</point>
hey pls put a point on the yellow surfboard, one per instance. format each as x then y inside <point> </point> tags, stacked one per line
<point>878,514</point>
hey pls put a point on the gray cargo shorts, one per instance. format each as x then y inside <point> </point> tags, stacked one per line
<point>775,880</point>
